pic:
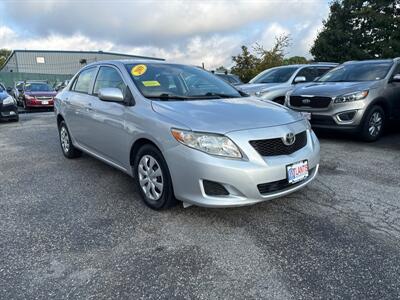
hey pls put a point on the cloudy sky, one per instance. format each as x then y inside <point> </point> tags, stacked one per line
<point>185,31</point>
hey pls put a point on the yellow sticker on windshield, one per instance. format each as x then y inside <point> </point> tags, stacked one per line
<point>151,83</point>
<point>138,70</point>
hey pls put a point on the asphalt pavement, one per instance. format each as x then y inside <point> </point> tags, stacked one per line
<point>77,229</point>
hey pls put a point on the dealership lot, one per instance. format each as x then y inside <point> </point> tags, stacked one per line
<point>78,229</point>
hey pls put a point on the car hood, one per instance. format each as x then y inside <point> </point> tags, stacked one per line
<point>226,115</point>
<point>251,88</point>
<point>333,89</point>
<point>41,94</point>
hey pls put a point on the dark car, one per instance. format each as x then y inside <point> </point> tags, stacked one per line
<point>8,106</point>
<point>357,96</point>
<point>37,94</point>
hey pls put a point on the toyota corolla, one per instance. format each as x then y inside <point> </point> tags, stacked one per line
<point>185,135</point>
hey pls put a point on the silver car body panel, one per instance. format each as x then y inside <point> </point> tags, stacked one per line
<point>108,131</point>
<point>271,91</point>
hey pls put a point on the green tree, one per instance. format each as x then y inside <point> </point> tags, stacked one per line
<point>4,53</point>
<point>245,65</point>
<point>359,29</point>
<point>295,60</point>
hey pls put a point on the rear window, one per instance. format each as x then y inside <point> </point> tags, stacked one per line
<point>37,87</point>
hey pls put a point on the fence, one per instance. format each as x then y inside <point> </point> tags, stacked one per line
<point>8,78</point>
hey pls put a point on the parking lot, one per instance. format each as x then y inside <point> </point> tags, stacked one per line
<point>78,229</point>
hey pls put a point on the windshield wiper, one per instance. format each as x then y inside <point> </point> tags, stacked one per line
<point>166,97</point>
<point>211,95</point>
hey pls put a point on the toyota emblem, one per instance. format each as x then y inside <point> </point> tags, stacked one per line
<point>289,139</point>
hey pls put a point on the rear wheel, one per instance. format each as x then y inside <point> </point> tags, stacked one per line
<point>373,124</point>
<point>67,147</point>
<point>153,179</point>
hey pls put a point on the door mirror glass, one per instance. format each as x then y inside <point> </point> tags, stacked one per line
<point>299,79</point>
<point>396,78</point>
<point>111,94</point>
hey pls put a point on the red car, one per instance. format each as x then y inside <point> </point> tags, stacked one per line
<point>37,95</point>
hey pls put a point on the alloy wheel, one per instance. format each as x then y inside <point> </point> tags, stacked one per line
<point>64,138</point>
<point>375,124</point>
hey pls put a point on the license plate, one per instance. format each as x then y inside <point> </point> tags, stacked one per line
<point>45,102</point>
<point>297,172</point>
<point>306,115</point>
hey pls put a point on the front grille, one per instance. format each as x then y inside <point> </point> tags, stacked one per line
<point>44,98</point>
<point>274,147</point>
<point>313,102</point>
<point>275,186</point>
<point>212,188</point>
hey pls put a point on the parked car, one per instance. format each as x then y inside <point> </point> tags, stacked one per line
<point>357,96</point>
<point>8,106</point>
<point>230,78</point>
<point>274,83</point>
<point>17,90</point>
<point>37,94</point>
<point>171,127</point>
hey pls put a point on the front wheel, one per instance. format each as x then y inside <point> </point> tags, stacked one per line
<point>373,124</point>
<point>153,179</point>
<point>67,147</point>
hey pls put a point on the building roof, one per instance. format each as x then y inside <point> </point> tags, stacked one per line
<point>78,52</point>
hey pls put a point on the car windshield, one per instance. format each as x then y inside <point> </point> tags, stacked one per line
<point>357,72</point>
<point>178,82</point>
<point>275,75</point>
<point>37,87</point>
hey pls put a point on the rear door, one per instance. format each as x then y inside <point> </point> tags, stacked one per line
<point>106,121</point>
<point>78,103</point>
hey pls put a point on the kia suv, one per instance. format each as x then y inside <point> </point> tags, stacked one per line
<point>357,96</point>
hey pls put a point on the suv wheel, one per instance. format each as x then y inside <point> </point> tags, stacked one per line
<point>153,179</point>
<point>373,124</point>
<point>67,147</point>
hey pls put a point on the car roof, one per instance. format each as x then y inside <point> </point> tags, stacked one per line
<point>128,61</point>
<point>370,61</point>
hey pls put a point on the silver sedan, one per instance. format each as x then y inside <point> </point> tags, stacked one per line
<point>184,134</point>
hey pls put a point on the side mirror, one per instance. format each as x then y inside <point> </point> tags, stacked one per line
<point>111,94</point>
<point>396,78</point>
<point>299,79</point>
<point>20,90</point>
<point>9,90</point>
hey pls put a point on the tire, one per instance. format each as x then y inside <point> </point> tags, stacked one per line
<point>149,162</point>
<point>16,119</point>
<point>67,147</point>
<point>373,124</point>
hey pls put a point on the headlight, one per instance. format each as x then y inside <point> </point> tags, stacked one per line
<point>261,93</point>
<point>207,142</point>
<point>8,100</point>
<point>350,97</point>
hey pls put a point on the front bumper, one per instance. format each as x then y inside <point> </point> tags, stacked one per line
<point>334,117</point>
<point>8,112</point>
<point>189,167</point>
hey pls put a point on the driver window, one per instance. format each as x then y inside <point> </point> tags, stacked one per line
<point>108,77</point>
<point>396,70</point>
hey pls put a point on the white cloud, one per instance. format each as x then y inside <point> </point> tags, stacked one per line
<point>185,31</point>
